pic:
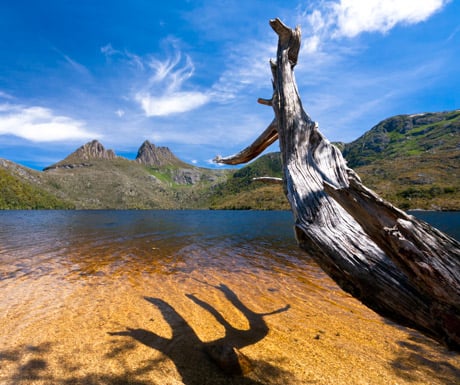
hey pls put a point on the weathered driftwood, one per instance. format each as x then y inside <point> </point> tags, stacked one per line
<point>395,264</point>
<point>268,179</point>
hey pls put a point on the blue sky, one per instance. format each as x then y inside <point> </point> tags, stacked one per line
<point>187,74</point>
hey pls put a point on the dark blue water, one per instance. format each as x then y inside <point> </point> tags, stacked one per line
<point>446,221</point>
<point>42,242</point>
<point>48,231</point>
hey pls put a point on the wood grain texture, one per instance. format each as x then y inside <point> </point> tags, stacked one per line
<point>395,264</point>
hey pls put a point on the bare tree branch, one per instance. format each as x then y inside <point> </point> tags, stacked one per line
<point>397,265</point>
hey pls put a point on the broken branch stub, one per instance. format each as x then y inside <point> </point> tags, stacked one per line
<point>267,137</point>
<point>395,264</point>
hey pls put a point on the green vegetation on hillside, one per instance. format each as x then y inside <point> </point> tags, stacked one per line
<point>240,192</point>
<point>16,194</point>
<point>413,161</point>
<point>428,181</point>
<point>406,135</point>
<point>261,197</point>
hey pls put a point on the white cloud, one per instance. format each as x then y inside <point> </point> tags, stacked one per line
<point>167,70</point>
<point>76,66</point>
<point>165,86</point>
<point>311,44</point>
<point>108,50</point>
<point>120,113</point>
<point>165,93</point>
<point>211,162</point>
<point>133,60</point>
<point>349,18</point>
<point>357,16</point>
<point>170,103</point>
<point>40,124</point>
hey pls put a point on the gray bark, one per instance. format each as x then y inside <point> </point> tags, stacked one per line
<point>395,264</point>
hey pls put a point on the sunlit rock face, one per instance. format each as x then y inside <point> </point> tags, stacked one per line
<point>94,150</point>
<point>151,155</point>
<point>80,157</point>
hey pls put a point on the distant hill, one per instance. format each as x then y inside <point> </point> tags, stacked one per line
<point>239,192</point>
<point>412,161</point>
<point>406,136</point>
<point>20,189</point>
<point>93,177</point>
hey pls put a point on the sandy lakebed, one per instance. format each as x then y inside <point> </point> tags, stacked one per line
<point>137,308</point>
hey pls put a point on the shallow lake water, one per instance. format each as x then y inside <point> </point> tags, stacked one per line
<point>138,297</point>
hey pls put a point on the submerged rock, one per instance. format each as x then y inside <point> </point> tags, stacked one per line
<point>229,359</point>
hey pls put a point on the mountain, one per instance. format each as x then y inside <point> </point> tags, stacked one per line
<point>93,178</point>
<point>20,188</point>
<point>412,161</point>
<point>151,155</point>
<point>406,135</point>
<point>89,151</point>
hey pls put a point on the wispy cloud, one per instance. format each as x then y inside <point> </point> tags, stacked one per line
<point>165,93</point>
<point>133,60</point>
<point>246,69</point>
<point>342,94</point>
<point>108,50</point>
<point>120,113</point>
<point>162,87</point>
<point>76,66</point>
<point>40,124</point>
<point>72,63</point>
<point>170,103</point>
<point>5,95</point>
<point>452,35</point>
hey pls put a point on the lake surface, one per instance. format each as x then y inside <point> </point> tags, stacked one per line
<point>446,221</point>
<point>115,297</point>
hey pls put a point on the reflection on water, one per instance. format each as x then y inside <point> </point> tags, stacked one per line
<point>106,297</point>
<point>109,242</point>
<point>81,243</point>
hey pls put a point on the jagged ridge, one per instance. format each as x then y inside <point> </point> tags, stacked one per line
<point>147,155</point>
<point>156,156</point>
<point>79,158</point>
<point>411,160</point>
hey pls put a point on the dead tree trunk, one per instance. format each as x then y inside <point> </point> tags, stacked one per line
<point>395,264</point>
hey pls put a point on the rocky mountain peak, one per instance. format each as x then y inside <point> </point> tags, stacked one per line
<point>93,150</point>
<point>151,155</point>
<point>79,158</point>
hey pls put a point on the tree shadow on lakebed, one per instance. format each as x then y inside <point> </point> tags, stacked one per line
<point>219,361</point>
<point>417,362</point>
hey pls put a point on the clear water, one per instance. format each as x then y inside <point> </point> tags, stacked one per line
<point>115,297</point>
<point>100,242</point>
<point>36,242</point>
